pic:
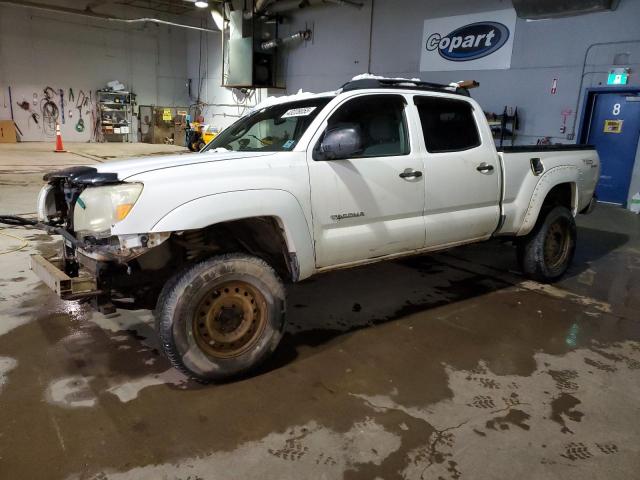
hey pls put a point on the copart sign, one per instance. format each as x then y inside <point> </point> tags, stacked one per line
<point>481,41</point>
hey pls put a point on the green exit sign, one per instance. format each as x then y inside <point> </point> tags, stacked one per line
<point>618,76</point>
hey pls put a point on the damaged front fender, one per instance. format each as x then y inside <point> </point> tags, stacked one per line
<point>123,248</point>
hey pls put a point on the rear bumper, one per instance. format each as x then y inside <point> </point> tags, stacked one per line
<point>66,287</point>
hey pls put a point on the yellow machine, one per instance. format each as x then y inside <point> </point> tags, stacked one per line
<point>208,133</point>
<point>200,135</point>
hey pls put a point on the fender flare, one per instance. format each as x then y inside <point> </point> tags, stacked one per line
<point>236,205</point>
<point>553,177</point>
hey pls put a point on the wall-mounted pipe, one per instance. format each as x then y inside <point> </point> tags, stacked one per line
<point>97,3</point>
<point>288,5</point>
<point>99,16</point>
<point>261,4</point>
<point>348,3</point>
<point>302,35</point>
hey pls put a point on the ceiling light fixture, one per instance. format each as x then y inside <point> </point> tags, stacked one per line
<point>201,4</point>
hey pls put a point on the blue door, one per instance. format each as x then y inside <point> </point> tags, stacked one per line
<point>614,130</point>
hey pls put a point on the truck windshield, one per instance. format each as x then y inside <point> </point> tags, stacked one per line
<point>271,129</point>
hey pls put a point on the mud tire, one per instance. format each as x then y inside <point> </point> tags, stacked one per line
<point>183,295</point>
<point>546,253</point>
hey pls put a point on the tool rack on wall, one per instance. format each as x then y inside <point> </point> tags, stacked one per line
<point>504,126</point>
<point>116,115</point>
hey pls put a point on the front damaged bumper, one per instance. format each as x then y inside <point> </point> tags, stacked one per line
<point>66,287</point>
<point>108,276</point>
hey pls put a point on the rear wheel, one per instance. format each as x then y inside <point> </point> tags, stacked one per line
<point>546,253</point>
<point>221,317</point>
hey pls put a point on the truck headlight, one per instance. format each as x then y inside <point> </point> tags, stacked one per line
<point>98,208</point>
<point>47,203</point>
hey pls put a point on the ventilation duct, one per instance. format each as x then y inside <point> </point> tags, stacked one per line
<point>273,7</point>
<point>540,9</point>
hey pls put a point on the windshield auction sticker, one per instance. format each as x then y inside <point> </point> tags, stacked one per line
<point>298,112</point>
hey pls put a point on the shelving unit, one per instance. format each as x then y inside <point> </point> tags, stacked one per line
<point>116,115</point>
<point>503,126</point>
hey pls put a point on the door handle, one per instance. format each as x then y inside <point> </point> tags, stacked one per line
<point>410,173</point>
<point>484,167</point>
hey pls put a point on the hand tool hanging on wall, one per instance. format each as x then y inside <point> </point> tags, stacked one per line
<point>72,99</point>
<point>50,111</point>
<point>80,122</point>
<point>83,100</point>
<point>62,105</point>
<point>26,106</point>
<point>11,103</point>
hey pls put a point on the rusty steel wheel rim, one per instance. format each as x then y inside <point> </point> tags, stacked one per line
<point>557,244</point>
<point>229,319</point>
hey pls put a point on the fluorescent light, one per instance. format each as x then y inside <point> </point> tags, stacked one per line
<point>201,4</point>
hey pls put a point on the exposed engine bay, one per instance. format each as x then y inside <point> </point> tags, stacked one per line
<point>129,271</point>
<point>87,240</point>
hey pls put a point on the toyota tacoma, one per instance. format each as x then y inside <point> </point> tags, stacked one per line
<point>377,170</point>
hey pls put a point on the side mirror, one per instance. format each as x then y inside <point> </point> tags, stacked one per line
<point>340,141</point>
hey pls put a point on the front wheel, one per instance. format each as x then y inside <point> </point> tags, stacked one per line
<point>221,317</point>
<point>546,253</point>
<point>197,145</point>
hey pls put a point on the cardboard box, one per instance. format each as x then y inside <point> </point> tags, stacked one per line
<point>8,132</point>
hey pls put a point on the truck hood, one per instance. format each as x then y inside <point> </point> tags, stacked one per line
<point>135,166</point>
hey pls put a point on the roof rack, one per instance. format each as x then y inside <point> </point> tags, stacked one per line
<point>402,83</point>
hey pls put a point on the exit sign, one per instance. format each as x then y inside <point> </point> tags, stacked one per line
<point>618,76</point>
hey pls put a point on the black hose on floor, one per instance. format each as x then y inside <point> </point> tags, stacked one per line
<point>15,221</point>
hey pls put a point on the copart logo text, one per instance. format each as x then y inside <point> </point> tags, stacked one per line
<point>470,42</point>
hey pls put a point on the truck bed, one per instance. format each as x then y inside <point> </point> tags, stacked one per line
<point>576,165</point>
<point>544,148</point>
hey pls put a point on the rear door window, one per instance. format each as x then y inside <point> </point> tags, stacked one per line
<point>447,125</point>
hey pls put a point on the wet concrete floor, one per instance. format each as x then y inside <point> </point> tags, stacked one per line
<point>447,366</point>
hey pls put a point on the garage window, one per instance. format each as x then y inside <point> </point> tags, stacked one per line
<point>382,122</point>
<point>447,125</point>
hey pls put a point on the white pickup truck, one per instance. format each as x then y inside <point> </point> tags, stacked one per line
<point>377,170</point>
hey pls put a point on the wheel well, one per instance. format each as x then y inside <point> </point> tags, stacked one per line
<point>562,194</point>
<point>263,237</point>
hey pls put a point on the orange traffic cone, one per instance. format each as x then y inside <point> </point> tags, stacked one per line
<point>59,146</point>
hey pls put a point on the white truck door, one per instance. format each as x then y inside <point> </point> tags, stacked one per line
<point>372,203</point>
<point>462,171</point>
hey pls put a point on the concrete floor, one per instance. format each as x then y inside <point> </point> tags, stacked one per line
<point>446,366</point>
